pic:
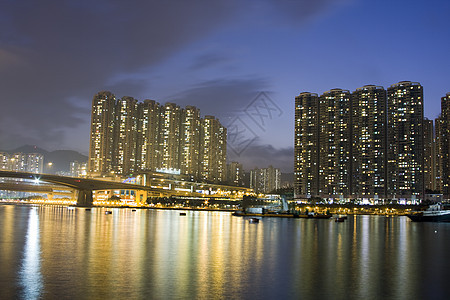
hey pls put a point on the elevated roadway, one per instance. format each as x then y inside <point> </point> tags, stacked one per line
<point>154,184</point>
<point>84,186</point>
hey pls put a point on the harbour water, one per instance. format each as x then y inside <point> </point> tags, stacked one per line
<point>49,252</point>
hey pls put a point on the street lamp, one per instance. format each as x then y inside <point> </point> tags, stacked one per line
<point>49,167</point>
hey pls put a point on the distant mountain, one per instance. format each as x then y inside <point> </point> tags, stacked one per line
<point>29,149</point>
<point>60,159</point>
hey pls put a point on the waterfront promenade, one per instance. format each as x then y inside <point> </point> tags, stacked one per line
<point>233,205</point>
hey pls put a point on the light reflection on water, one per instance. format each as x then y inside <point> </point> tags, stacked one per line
<point>156,254</point>
<point>30,277</point>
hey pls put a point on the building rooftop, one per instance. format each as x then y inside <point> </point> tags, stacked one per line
<point>404,83</point>
<point>370,87</point>
<point>307,94</point>
<point>337,90</point>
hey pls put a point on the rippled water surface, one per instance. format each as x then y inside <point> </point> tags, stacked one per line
<point>55,252</point>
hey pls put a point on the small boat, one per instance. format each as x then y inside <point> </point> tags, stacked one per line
<point>253,220</point>
<point>88,209</point>
<point>434,213</point>
<point>108,212</point>
<point>321,216</point>
<point>340,219</point>
<point>182,214</point>
<point>133,210</point>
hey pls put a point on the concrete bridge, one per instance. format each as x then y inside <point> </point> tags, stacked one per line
<point>84,186</point>
<point>43,188</point>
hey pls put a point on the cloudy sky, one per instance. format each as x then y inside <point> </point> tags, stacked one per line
<point>241,60</point>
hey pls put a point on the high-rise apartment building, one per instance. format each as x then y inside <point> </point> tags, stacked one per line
<point>405,141</point>
<point>170,145</point>
<point>367,145</point>
<point>213,150</point>
<point>306,145</point>
<point>444,145</point>
<point>149,156</point>
<point>78,169</point>
<point>23,162</point>
<point>265,180</point>
<point>429,161</point>
<point>335,144</point>
<point>439,139</point>
<point>125,136</point>
<point>369,142</point>
<point>235,174</point>
<point>129,137</point>
<point>35,163</point>
<point>4,161</point>
<point>102,133</point>
<point>190,143</point>
<point>222,153</point>
<point>18,162</point>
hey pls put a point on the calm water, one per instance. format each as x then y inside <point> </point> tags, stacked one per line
<point>54,252</point>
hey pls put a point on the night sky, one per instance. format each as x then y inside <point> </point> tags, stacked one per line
<point>224,57</point>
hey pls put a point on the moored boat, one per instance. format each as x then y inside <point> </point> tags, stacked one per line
<point>321,216</point>
<point>310,215</point>
<point>435,213</point>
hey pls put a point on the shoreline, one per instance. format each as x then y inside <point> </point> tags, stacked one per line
<point>334,209</point>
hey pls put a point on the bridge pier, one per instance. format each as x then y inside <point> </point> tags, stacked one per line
<point>141,196</point>
<point>85,198</point>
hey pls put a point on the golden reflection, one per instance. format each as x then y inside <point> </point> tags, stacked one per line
<point>30,272</point>
<point>8,234</point>
<point>403,255</point>
<point>364,255</point>
<point>182,229</point>
<point>160,254</point>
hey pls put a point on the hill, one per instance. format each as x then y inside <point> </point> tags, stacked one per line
<point>61,159</point>
<point>29,149</point>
